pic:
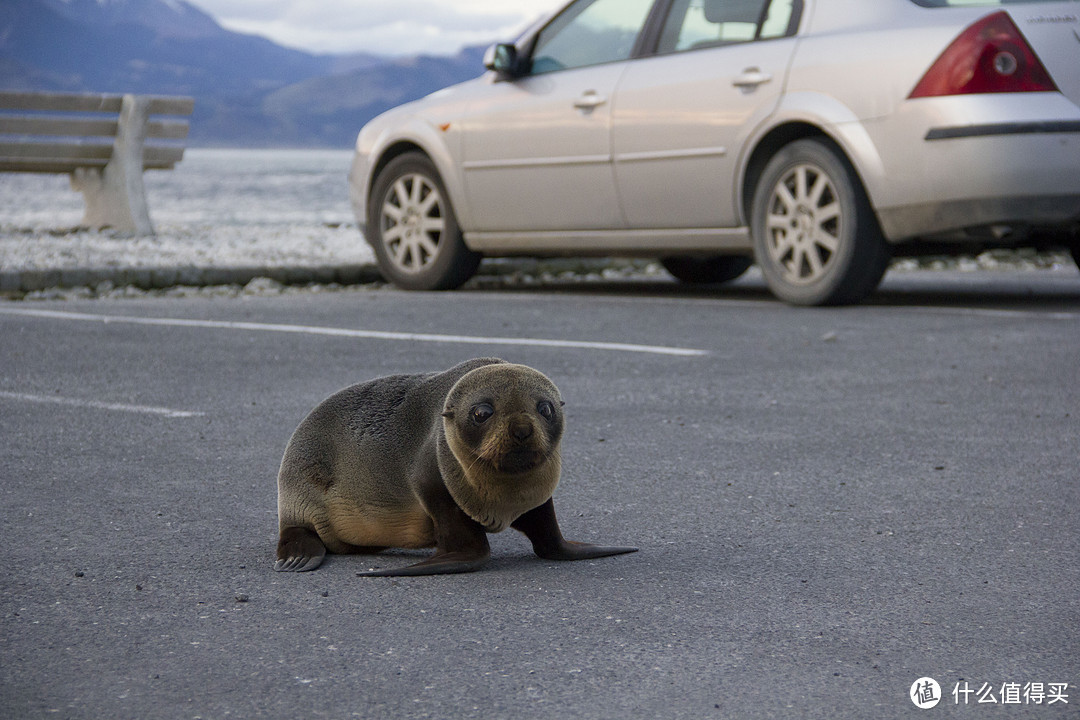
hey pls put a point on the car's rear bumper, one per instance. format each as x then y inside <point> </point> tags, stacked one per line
<point>946,170</point>
<point>986,218</point>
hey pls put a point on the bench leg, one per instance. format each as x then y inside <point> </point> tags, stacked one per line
<point>115,197</point>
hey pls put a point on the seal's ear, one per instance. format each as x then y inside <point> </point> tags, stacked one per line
<point>562,403</point>
<point>448,413</point>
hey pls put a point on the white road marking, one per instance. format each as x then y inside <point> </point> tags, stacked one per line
<point>365,334</point>
<point>96,405</point>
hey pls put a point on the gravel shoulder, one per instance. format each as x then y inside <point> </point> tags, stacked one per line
<point>57,263</point>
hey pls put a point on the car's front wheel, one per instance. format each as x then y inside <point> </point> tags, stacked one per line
<point>706,270</point>
<point>413,229</point>
<point>816,238</point>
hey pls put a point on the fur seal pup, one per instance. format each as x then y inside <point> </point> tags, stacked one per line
<point>434,460</point>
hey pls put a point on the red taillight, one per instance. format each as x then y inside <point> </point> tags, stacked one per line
<point>991,56</point>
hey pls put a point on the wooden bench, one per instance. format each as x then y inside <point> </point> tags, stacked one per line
<point>101,141</point>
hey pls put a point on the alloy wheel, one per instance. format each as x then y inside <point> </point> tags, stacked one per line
<point>804,222</point>
<point>412,222</point>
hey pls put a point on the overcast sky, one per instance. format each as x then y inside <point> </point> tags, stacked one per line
<point>395,27</point>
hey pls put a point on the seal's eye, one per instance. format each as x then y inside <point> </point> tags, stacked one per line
<point>481,413</point>
<point>546,409</point>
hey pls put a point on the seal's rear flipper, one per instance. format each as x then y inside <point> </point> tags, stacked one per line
<point>438,564</point>
<point>541,527</point>
<point>299,549</point>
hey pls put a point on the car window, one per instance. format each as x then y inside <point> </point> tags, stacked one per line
<point>778,20</point>
<point>590,32</point>
<point>693,24</point>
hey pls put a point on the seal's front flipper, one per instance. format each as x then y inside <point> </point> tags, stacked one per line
<point>438,564</point>
<point>299,550</point>
<point>570,550</point>
<point>541,527</point>
<point>461,544</point>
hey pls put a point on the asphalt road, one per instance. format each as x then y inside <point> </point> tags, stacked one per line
<point>830,504</point>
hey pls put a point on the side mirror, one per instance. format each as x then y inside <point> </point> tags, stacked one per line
<point>503,59</point>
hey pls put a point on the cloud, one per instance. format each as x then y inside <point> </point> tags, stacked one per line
<point>397,27</point>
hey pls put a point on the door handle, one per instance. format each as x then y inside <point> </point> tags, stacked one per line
<point>589,100</point>
<point>751,78</point>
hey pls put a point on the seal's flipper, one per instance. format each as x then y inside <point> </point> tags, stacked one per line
<point>461,543</point>
<point>541,527</point>
<point>438,564</point>
<point>571,550</point>
<point>299,550</point>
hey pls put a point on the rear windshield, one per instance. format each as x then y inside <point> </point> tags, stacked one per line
<point>985,3</point>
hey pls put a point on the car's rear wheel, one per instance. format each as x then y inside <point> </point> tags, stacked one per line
<point>1075,249</point>
<point>816,238</point>
<point>413,229</point>
<point>706,270</point>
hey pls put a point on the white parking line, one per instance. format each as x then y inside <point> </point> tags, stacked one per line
<point>365,334</point>
<point>95,405</point>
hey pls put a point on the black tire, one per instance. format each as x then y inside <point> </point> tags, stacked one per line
<point>816,238</point>
<point>413,229</point>
<point>1075,250</point>
<point>706,270</point>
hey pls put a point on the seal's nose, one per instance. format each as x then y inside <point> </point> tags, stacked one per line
<point>521,431</point>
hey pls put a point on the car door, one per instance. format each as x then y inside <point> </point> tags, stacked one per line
<point>536,149</point>
<point>681,116</point>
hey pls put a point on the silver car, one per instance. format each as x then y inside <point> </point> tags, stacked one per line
<point>817,138</point>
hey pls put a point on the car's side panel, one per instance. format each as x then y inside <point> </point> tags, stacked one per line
<point>536,152</point>
<point>646,243</point>
<point>678,123</point>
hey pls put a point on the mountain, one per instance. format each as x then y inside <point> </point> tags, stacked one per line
<point>326,109</point>
<point>168,18</point>
<point>248,90</point>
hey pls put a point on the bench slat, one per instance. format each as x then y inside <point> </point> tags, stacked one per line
<point>89,102</point>
<point>71,127</point>
<point>60,102</point>
<point>167,129</point>
<point>165,105</point>
<point>67,151</point>
<point>161,157</point>
<point>56,158</point>
<point>51,166</point>
<point>85,127</point>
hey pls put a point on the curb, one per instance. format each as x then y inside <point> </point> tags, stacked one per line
<point>22,282</point>
<point>163,278</point>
